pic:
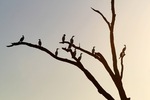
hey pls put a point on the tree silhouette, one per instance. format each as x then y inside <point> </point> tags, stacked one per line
<point>114,73</point>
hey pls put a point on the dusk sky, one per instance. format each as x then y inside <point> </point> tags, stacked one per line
<point>30,74</point>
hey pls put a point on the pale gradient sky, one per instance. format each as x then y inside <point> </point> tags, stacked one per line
<point>29,74</point>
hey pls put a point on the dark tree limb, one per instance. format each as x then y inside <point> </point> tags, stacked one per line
<point>78,64</point>
<point>122,67</point>
<point>43,49</point>
<point>94,81</point>
<point>113,50</point>
<point>105,19</point>
<point>99,57</point>
<point>114,74</point>
<point>117,79</point>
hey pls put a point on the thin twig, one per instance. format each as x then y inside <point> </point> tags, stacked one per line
<point>105,19</point>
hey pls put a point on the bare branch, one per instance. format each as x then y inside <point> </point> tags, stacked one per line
<point>122,68</point>
<point>112,44</point>
<point>98,56</point>
<point>43,49</point>
<point>94,81</point>
<point>105,19</point>
<point>78,64</point>
<point>113,13</point>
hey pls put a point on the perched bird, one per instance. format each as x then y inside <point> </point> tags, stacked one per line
<point>39,42</point>
<point>63,38</point>
<point>71,40</point>
<point>74,53</point>
<point>93,50</point>
<point>123,50</point>
<point>122,54</point>
<point>56,52</point>
<point>79,58</point>
<point>21,39</point>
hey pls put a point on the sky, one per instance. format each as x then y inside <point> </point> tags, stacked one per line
<point>30,74</point>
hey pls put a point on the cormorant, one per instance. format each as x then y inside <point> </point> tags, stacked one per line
<point>21,39</point>
<point>122,54</point>
<point>39,42</point>
<point>56,52</point>
<point>63,38</point>
<point>71,40</point>
<point>93,50</point>
<point>123,50</point>
<point>79,58</point>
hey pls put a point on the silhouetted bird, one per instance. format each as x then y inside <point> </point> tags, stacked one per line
<point>39,42</point>
<point>79,58</point>
<point>122,54</point>
<point>71,40</point>
<point>63,38</point>
<point>21,39</point>
<point>74,53</point>
<point>93,50</point>
<point>56,52</point>
<point>123,50</point>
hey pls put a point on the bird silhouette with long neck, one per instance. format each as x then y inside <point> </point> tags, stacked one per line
<point>56,52</point>
<point>39,42</point>
<point>21,39</point>
<point>123,50</point>
<point>79,58</point>
<point>71,40</point>
<point>122,54</point>
<point>63,38</point>
<point>93,50</point>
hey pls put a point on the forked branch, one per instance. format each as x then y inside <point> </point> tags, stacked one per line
<point>77,63</point>
<point>97,55</point>
<point>105,19</point>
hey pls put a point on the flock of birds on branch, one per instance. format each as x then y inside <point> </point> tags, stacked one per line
<point>73,53</point>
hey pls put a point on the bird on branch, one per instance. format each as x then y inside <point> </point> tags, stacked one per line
<point>39,42</point>
<point>123,50</point>
<point>93,50</point>
<point>71,40</point>
<point>21,39</point>
<point>122,54</point>
<point>63,38</point>
<point>56,52</point>
<point>79,58</point>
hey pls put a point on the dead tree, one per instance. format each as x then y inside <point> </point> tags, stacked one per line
<point>114,73</point>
